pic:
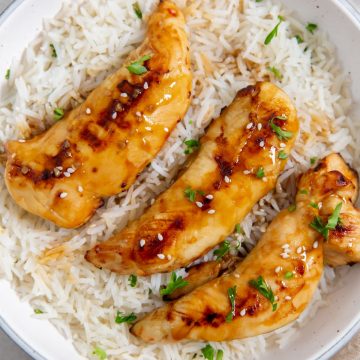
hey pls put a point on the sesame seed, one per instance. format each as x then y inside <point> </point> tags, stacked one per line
<point>243,312</point>
<point>282,145</point>
<point>124,95</point>
<point>237,276</point>
<point>152,201</point>
<point>276,298</point>
<point>160,237</point>
<point>315,244</point>
<point>287,298</point>
<point>249,125</point>
<point>167,96</point>
<point>66,174</point>
<point>299,249</point>
<point>57,172</point>
<point>148,128</point>
<point>114,115</point>
<point>88,111</point>
<point>146,85</point>
<point>209,197</point>
<point>166,129</point>
<point>320,205</point>
<point>211,211</point>
<point>284,255</point>
<point>350,245</point>
<point>80,189</point>
<point>199,204</point>
<point>22,141</point>
<point>247,172</point>
<point>13,156</point>
<point>138,113</point>
<point>63,195</point>
<point>264,179</point>
<point>227,179</point>
<point>161,256</point>
<point>283,284</point>
<point>278,269</point>
<point>142,243</point>
<point>70,170</point>
<point>25,170</point>
<point>169,257</point>
<point>259,126</point>
<point>262,143</point>
<point>285,246</point>
<point>60,168</point>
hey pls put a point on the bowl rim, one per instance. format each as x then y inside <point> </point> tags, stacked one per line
<point>352,14</point>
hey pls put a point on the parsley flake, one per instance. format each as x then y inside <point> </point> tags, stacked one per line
<point>223,249</point>
<point>264,289</point>
<point>276,72</point>
<point>232,296</point>
<point>260,173</point>
<point>303,191</point>
<point>121,318</point>
<point>191,146</point>
<point>176,282</point>
<point>208,353</point>
<point>313,160</point>
<point>289,275</point>
<point>53,51</point>
<point>7,74</point>
<point>273,33</point>
<point>318,225</point>
<point>314,205</point>
<point>190,194</point>
<point>311,27</point>
<point>282,155</point>
<point>100,353</point>
<point>299,39</point>
<point>58,114</point>
<point>137,67</point>
<point>137,10</point>
<point>38,311</point>
<point>239,229</point>
<point>280,133</point>
<point>132,280</point>
<point>292,208</point>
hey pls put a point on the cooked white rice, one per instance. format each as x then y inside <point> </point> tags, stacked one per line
<point>92,38</point>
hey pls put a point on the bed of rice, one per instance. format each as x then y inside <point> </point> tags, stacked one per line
<point>92,38</point>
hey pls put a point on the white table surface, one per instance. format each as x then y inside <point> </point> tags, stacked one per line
<point>10,351</point>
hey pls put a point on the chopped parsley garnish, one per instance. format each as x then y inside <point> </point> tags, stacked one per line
<point>299,39</point>
<point>292,208</point>
<point>58,114</point>
<point>314,205</point>
<point>38,311</point>
<point>313,160</point>
<point>137,67</point>
<point>191,146</point>
<point>190,194</point>
<point>190,122</point>
<point>289,275</point>
<point>7,74</point>
<point>137,10</point>
<point>273,33</point>
<point>220,353</point>
<point>222,250</point>
<point>232,296</point>
<point>318,225</point>
<point>239,229</point>
<point>276,72</point>
<point>132,280</point>
<point>280,133</point>
<point>264,289</point>
<point>303,191</point>
<point>121,318</point>
<point>282,155</point>
<point>100,353</point>
<point>259,0</point>
<point>53,51</point>
<point>260,173</point>
<point>176,282</point>
<point>208,352</point>
<point>311,27</point>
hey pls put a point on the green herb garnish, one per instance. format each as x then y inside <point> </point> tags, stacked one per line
<point>121,318</point>
<point>132,280</point>
<point>220,353</point>
<point>191,146</point>
<point>274,31</point>
<point>53,51</point>
<point>137,10</point>
<point>282,155</point>
<point>208,353</point>
<point>289,275</point>
<point>313,160</point>
<point>232,296</point>
<point>311,27</point>
<point>276,72</point>
<point>239,229</point>
<point>58,114</point>
<point>38,311</point>
<point>7,74</point>
<point>259,0</point>
<point>292,208</point>
<point>223,249</point>
<point>176,282</point>
<point>318,225</point>
<point>299,39</point>
<point>303,191</point>
<point>137,67</point>
<point>260,173</point>
<point>190,194</point>
<point>100,353</point>
<point>264,289</point>
<point>314,205</point>
<point>280,133</point>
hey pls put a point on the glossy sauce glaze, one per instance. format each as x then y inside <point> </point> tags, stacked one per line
<point>99,148</point>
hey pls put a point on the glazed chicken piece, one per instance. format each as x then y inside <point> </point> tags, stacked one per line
<point>238,163</point>
<point>99,148</point>
<point>272,286</point>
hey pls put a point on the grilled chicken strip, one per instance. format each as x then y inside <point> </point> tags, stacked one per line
<point>238,163</point>
<point>99,148</point>
<point>287,263</point>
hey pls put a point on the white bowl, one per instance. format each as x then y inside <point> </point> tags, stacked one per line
<point>332,326</point>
